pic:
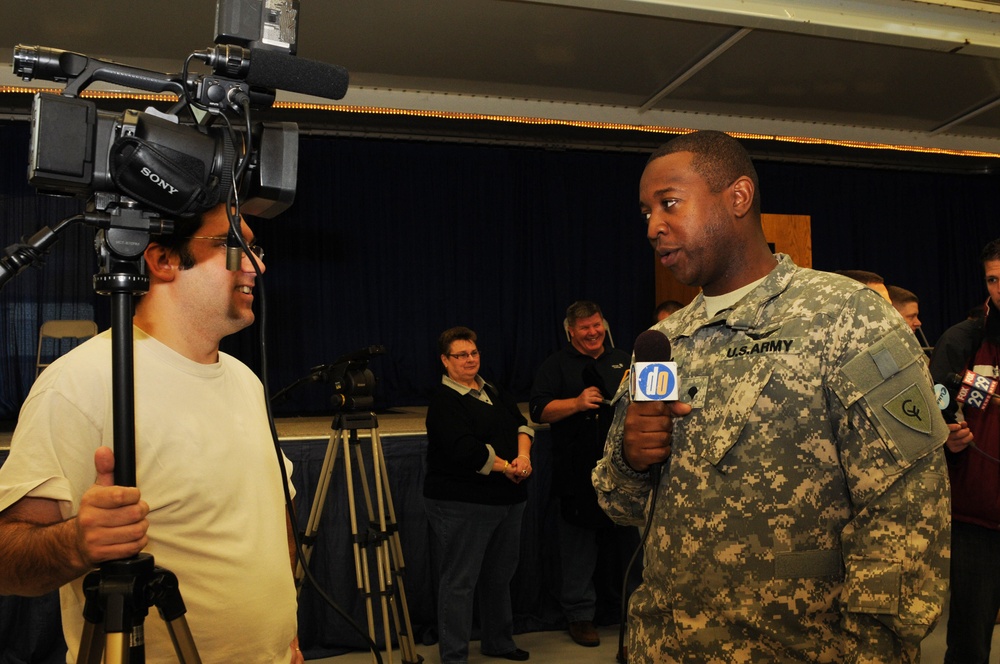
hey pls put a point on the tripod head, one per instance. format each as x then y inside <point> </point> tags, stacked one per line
<point>353,382</point>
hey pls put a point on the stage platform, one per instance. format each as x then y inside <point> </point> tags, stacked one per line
<point>403,421</point>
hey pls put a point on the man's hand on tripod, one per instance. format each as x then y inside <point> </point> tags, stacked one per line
<point>111,523</point>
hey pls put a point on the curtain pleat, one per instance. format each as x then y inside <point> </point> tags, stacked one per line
<point>391,242</point>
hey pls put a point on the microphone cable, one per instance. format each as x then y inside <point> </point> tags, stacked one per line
<point>289,505</point>
<point>233,212</point>
<point>657,471</point>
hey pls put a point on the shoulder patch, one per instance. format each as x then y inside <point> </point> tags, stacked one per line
<point>911,409</point>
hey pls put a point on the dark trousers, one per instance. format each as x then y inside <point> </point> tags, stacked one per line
<point>975,593</point>
<point>478,544</point>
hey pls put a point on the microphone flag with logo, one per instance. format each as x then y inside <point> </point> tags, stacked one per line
<point>974,389</point>
<point>653,377</point>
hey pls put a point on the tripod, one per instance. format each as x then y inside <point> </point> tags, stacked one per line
<point>119,594</point>
<point>381,536</point>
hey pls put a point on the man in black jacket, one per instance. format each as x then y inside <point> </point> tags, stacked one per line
<point>571,391</point>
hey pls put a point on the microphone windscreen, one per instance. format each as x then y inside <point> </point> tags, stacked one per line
<point>652,346</point>
<point>280,71</point>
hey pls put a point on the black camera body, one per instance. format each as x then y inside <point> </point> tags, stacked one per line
<point>154,159</point>
<point>353,382</point>
<point>150,157</point>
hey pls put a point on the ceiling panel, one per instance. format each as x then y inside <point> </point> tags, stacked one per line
<point>887,71</point>
<point>836,81</point>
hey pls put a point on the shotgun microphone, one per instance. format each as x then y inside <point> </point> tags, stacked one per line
<point>264,68</point>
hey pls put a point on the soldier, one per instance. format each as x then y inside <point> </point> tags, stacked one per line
<point>803,509</point>
<point>870,279</point>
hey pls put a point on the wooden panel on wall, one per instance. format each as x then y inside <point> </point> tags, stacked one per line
<point>789,234</point>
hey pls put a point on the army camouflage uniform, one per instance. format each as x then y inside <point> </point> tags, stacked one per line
<point>804,512</point>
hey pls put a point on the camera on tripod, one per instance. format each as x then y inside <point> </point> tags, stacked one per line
<point>353,382</point>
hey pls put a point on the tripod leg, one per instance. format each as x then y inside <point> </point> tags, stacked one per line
<point>181,637</point>
<point>404,632</point>
<point>116,649</point>
<point>360,557</point>
<point>319,501</point>
<point>385,568</point>
<point>92,638</point>
<point>379,543</point>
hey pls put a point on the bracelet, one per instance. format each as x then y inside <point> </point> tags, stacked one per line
<point>525,457</point>
<point>506,465</point>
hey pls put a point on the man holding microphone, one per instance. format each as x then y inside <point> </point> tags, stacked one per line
<point>801,512</point>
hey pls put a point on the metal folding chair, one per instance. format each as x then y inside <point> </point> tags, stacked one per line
<point>58,332</point>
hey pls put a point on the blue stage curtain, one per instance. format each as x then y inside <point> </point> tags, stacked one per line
<point>391,242</point>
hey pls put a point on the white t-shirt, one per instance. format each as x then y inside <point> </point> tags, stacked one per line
<point>205,464</point>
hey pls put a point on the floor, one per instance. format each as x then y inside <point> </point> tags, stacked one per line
<point>557,648</point>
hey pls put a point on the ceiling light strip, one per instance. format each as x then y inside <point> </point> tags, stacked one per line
<point>651,129</point>
<point>514,119</point>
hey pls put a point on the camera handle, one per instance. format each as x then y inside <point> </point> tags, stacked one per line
<point>119,594</point>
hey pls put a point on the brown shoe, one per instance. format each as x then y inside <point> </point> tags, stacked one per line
<point>584,633</point>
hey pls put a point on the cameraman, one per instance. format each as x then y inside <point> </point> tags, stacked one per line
<point>209,506</point>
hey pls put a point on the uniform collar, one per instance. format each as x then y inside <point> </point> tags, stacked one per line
<point>746,314</point>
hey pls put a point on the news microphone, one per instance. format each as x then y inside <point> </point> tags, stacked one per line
<point>276,70</point>
<point>653,377</point>
<point>974,389</point>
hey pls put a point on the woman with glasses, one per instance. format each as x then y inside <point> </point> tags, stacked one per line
<point>478,456</point>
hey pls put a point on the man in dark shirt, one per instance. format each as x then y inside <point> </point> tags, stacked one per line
<point>972,449</point>
<point>571,392</point>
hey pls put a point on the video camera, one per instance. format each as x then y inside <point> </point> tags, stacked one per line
<point>353,382</point>
<point>175,166</point>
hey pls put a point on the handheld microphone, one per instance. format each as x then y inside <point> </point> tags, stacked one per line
<point>975,390</point>
<point>275,70</point>
<point>653,377</point>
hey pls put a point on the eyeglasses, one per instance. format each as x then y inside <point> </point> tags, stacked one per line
<point>254,248</point>
<point>463,356</point>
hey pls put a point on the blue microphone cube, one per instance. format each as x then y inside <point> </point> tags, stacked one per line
<point>655,381</point>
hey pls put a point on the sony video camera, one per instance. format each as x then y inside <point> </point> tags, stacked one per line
<point>176,163</point>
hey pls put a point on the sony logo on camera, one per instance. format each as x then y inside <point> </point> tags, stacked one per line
<point>654,381</point>
<point>156,179</point>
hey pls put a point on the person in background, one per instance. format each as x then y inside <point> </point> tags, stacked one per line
<point>571,392</point>
<point>219,524</point>
<point>478,456</point>
<point>973,452</point>
<point>801,512</point>
<point>870,279</point>
<point>907,304</point>
<point>665,308</point>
